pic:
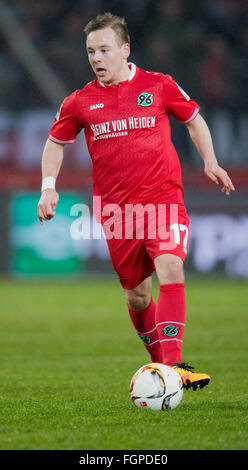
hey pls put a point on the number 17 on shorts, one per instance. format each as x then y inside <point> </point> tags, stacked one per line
<point>177,242</point>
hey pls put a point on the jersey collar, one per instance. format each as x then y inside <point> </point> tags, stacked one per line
<point>131,76</point>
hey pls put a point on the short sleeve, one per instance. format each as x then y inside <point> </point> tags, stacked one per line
<point>66,125</point>
<point>177,102</point>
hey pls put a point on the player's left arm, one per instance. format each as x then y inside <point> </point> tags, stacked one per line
<point>200,135</point>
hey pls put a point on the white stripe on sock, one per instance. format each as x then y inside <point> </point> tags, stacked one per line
<point>170,321</point>
<point>147,332</point>
<point>150,344</point>
<point>172,339</point>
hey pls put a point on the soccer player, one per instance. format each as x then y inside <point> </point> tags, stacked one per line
<point>124,114</point>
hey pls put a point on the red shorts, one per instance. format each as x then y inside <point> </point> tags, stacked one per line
<point>134,246</point>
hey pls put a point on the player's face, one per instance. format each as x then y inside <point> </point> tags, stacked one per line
<point>107,57</point>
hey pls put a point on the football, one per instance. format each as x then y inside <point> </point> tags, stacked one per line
<point>156,386</point>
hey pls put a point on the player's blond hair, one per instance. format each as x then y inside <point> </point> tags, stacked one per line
<point>108,20</point>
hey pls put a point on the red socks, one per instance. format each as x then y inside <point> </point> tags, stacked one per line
<point>161,327</point>
<point>144,323</point>
<point>170,319</point>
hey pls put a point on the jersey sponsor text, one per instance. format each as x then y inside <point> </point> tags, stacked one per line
<point>111,127</point>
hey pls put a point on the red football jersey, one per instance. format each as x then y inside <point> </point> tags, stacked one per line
<point>128,134</point>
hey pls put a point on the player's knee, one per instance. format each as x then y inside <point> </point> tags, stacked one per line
<point>138,301</point>
<point>175,271</point>
<point>170,270</point>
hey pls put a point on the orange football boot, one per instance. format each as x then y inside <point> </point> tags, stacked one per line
<point>191,379</point>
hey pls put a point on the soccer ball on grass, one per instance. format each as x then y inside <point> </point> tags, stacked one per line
<point>156,386</point>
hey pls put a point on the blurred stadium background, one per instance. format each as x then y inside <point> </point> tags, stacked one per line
<point>203,45</point>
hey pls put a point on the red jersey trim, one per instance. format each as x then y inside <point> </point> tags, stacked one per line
<point>58,141</point>
<point>196,111</point>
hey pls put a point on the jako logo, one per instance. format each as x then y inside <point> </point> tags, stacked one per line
<point>96,106</point>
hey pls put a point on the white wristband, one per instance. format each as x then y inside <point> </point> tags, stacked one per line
<point>48,183</point>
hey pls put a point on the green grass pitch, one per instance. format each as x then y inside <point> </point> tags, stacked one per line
<point>69,350</point>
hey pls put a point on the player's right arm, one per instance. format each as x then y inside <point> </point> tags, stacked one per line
<point>51,162</point>
<point>64,130</point>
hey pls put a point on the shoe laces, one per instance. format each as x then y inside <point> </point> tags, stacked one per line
<point>183,365</point>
